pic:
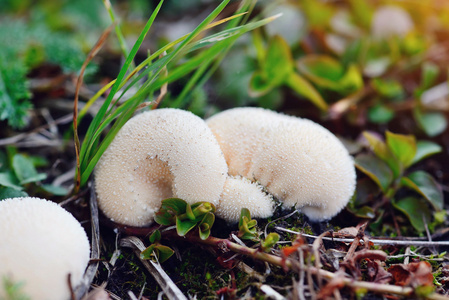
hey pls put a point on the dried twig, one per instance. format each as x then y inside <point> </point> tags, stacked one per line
<point>95,248</point>
<point>90,56</point>
<point>401,242</point>
<point>168,286</point>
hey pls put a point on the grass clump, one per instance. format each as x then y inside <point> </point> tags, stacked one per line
<point>24,47</point>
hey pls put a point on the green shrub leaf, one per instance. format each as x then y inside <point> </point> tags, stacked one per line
<point>301,86</point>
<point>184,226</point>
<point>7,192</point>
<point>155,236</point>
<point>416,211</point>
<point>205,225</point>
<point>8,179</point>
<point>433,123</point>
<point>25,170</point>
<point>425,149</point>
<point>376,169</point>
<point>402,146</point>
<point>423,183</point>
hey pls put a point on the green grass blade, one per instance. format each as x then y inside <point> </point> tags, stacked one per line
<point>118,31</point>
<point>87,144</point>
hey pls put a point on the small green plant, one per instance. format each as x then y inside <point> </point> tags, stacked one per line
<point>13,290</point>
<point>247,226</point>
<point>156,250</point>
<point>248,231</point>
<point>388,167</point>
<point>26,46</point>
<point>277,68</point>
<point>175,211</point>
<point>18,172</point>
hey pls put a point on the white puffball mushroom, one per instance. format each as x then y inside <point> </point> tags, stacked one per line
<point>390,21</point>
<point>240,192</point>
<point>298,161</point>
<point>41,244</point>
<point>156,155</point>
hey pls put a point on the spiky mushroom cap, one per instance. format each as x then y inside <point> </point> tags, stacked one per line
<point>298,161</point>
<point>240,192</point>
<point>156,155</point>
<point>41,244</point>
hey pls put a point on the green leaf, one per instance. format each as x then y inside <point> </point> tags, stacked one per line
<point>55,190</point>
<point>364,212</point>
<point>201,208</point>
<point>429,74</point>
<point>7,192</point>
<point>391,89</point>
<point>402,146</point>
<point>175,205</point>
<point>425,149</point>
<point>416,211</point>
<point>276,67</point>
<point>244,213</point>
<point>329,73</point>
<point>148,252</point>
<point>423,183</point>
<point>170,208</point>
<point>205,225</point>
<point>301,86</point>
<point>189,212</point>
<point>278,62</point>
<point>184,226</point>
<point>259,85</point>
<point>378,146</point>
<point>163,253</point>
<point>158,251</point>
<point>433,123</point>
<point>247,226</point>
<point>155,236</point>
<point>25,170</point>
<point>269,241</point>
<point>376,169</point>
<point>8,179</point>
<point>380,114</point>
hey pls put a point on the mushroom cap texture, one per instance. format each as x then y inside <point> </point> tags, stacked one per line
<point>298,161</point>
<point>41,244</point>
<point>156,155</point>
<point>240,192</point>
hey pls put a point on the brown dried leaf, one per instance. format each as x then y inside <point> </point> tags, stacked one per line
<point>376,273</point>
<point>413,274</point>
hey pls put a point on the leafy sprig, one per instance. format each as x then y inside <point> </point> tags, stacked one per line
<point>388,167</point>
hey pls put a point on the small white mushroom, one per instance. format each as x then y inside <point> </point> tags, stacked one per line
<point>240,192</point>
<point>298,161</point>
<point>390,20</point>
<point>40,245</point>
<point>156,155</point>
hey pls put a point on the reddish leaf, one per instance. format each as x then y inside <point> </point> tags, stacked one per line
<point>376,273</point>
<point>413,274</point>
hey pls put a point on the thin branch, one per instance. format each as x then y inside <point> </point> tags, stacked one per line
<point>168,286</point>
<point>373,240</point>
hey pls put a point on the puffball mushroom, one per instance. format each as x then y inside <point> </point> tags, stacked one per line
<point>240,192</point>
<point>156,155</point>
<point>391,21</point>
<point>41,244</point>
<point>298,161</point>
